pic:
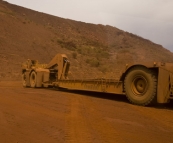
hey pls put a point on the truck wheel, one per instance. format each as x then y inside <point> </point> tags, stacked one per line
<point>140,86</point>
<point>33,79</point>
<point>24,79</point>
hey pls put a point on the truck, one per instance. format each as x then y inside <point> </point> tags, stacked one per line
<point>142,83</point>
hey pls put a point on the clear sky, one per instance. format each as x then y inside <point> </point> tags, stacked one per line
<point>150,19</point>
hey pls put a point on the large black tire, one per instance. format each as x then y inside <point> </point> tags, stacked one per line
<point>141,86</point>
<point>24,79</point>
<point>33,79</point>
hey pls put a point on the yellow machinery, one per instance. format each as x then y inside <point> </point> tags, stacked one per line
<point>143,83</point>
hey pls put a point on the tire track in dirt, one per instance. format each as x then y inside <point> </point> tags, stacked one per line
<point>112,121</point>
<point>85,124</point>
<point>104,131</point>
<point>45,115</point>
<point>76,127</point>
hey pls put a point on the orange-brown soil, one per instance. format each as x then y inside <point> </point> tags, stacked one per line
<point>47,115</point>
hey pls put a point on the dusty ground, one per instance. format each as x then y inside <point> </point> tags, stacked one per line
<point>44,115</point>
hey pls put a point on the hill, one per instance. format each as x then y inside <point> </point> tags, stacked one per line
<point>94,50</point>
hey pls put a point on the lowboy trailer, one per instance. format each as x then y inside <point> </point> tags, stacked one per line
<point>143,83</point>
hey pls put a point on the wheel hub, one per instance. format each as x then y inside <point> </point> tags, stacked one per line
<point>139,85</point>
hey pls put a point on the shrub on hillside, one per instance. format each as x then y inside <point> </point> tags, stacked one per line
<point>93,62</point>
<point>70,45</point>
<point>103,68</point>
<point>74,55</point>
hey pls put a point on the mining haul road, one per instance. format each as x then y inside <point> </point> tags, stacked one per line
<point>31,115</point>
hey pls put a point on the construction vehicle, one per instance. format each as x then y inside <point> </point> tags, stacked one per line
<point>143,83</point>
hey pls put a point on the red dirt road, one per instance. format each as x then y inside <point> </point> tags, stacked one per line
<point>49,116</point>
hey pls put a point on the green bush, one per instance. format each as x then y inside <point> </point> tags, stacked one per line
<point>70,45</point>
<point>103,68</point>
<point>74,55</point>
<point>93,62</point>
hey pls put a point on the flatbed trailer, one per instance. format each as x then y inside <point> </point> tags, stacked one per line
<point>142,83</point>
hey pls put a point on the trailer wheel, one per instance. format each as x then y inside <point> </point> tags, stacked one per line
<point>24,79</point>
<point>33,79</point>
<point>140,86</point>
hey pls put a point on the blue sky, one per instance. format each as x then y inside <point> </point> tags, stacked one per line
<point>150,19</point>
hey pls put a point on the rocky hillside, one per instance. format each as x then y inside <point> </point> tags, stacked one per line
<point>94,50</point>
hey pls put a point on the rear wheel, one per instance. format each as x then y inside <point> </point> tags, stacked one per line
<point>140,86</point>
<point>24,79</point>
<point>33,79</point>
